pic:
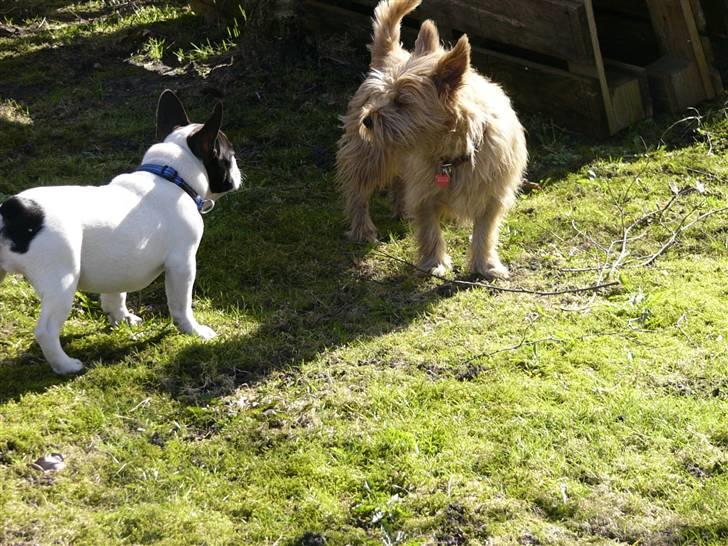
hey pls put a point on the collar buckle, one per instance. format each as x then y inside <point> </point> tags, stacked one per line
<point>207,206</point>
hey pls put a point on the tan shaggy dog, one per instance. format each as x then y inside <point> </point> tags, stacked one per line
<point>451,136</point>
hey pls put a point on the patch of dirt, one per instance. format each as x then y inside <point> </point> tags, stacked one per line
<point>310,539</point>
<point>458,526</point>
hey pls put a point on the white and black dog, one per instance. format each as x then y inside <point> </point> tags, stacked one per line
<point>119,237</point>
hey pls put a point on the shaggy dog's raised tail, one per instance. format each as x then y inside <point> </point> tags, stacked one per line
<point>388,17</point>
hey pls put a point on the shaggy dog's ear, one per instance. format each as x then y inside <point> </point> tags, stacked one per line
<point>428,40</point>
<point>450,71</point>
<point>170,114</point>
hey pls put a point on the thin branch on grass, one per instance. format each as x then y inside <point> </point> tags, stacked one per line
<point>708,174</point>
<point>525,342</point>
<point>698,119</point>
<point>678,325</point>
<point>679,230</point>
<point>659,213</point>
<point>494,288</point>
<point>578,269</point>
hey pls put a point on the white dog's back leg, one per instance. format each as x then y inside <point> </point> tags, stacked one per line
<point>56,294</point>
<point>53,267</point>
<point>114,305</point>
<point>179,276</point>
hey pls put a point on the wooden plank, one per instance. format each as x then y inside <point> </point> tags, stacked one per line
<point>572,100</point>
<point>697,48</point>
<point>609,111</point>
<point>639,73</point>
<point>699,14</point>
<point>548,27</point>
<point>677,36</point>
<point>627,99</point>
<point>674,84</point>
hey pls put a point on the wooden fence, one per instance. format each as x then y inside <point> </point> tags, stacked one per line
<point>594,65</point>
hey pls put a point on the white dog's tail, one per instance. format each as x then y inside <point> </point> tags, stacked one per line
<point>388,17</point>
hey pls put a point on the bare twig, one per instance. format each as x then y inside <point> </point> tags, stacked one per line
<point>593,288</point>
<point>578,269</point>
<point>678,325</point>
<point>679,230</point>
<point>525,342</point>
<point>658,214</point>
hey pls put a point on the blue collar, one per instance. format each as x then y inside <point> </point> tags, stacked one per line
<point>169,173</point>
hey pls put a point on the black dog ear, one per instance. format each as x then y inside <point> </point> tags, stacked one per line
<point>202,141</point>
<point>170,114</point>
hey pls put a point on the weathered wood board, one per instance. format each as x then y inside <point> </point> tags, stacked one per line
<point>597,65</point>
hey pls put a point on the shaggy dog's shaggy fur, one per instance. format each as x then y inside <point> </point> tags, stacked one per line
<point>428,121</point>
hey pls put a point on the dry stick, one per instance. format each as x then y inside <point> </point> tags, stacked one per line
<point>501,288</point>
<point>679,230</point>
<point>625,235</point>
<point>709,174</point>
<point>639,222</point>
<point>525,342</point>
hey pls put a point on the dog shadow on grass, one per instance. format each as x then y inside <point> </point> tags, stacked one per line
<point>30,373</point>
<point>273,252</point>
<point>308,296</point>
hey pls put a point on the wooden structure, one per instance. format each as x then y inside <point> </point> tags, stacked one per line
<point>593,65</point>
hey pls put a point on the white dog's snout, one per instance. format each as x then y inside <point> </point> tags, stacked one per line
<point>235,174</point>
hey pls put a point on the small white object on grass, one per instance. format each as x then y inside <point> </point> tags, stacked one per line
<point>48,463</point>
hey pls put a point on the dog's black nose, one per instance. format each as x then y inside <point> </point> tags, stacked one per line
<point>368,122</point>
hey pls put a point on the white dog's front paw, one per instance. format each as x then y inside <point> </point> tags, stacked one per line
<point>130,318</point>
<point>66,366</point>
<point>133,319</point>
<point>205,332</point>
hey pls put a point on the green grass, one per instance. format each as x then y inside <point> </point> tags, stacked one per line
<point>347,399</point>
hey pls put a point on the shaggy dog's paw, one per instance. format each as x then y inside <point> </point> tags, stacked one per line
<point>491,270</point>
<point>362,234</point>
<point>433,266</point>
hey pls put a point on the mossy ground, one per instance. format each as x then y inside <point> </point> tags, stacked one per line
<point>348,401</point>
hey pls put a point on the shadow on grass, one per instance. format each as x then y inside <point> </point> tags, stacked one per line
<point>279,257</point>
<point>289,335</point>
<point>704,534</point>
<point>30,373</point>
<point>274,250</point>
<point>59,10</point>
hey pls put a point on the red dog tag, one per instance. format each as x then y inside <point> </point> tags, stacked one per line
<point>442,180</point>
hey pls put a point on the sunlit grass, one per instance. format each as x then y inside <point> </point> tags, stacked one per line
<point>347,400</point>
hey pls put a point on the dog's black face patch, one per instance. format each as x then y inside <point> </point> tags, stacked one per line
<point>22,220</point>
<point>218,165</point>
